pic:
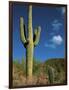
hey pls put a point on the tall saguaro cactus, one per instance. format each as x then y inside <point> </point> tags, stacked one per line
<point>29,41</point>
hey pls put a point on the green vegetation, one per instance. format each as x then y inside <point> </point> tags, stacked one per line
<point>29,41</point>
<point>51,71</point>
<point>58,73</point>
<point>51,74</point>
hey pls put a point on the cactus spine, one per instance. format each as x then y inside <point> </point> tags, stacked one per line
<point>29,41</point>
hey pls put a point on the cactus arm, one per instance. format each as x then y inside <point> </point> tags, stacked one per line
<point>22,31</point>
<point>37,35</point>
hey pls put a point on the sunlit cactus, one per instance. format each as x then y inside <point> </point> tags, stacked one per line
<point>29,41</point>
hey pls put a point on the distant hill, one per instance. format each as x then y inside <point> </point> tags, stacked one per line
<point>57,63</point>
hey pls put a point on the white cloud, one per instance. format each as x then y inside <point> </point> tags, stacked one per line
<point>54,42</point>
<point>56,25</point>
<point>57,40</point>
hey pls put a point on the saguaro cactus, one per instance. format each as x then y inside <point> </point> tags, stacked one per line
<point>51,74</point>
<point>29,41</point>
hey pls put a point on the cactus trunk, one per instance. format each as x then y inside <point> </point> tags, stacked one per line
<point>29,48</point>
<point>29,41</point>
<point>29,61</point>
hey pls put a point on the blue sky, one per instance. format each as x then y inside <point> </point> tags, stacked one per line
<point>51,20</point>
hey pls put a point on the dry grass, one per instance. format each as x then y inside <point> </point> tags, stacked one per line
<point>19,79</point>
<point>42,74</point>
